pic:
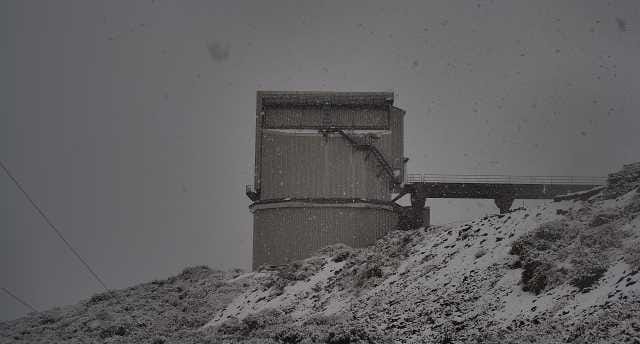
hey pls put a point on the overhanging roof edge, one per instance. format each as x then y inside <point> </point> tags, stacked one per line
<point>319,98</point>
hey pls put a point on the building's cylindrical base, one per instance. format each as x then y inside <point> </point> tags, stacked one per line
<point>289,230</point>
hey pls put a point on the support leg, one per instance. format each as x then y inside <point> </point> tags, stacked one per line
<point>412,217</point>
<point>504,203</point>
<point>418,201</point>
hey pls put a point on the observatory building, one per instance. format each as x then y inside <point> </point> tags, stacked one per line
<point>326,164</point>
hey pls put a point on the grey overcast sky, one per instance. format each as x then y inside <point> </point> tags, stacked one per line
<point>131,122</point>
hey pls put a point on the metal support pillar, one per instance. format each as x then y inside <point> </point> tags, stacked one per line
<point>504,203</point>
<point>416,212</point>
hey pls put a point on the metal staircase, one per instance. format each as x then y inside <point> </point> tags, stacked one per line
<point>370,149</point>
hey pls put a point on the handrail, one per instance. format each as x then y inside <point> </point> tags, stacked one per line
<point>379,156</point>
<point>503,179</point>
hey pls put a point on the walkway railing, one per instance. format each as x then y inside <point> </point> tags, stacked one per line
<point>502,179</point>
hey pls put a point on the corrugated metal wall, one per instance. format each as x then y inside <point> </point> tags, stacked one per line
<point>324,116</point>
<point>304,164</point>
<point>396,152</point>
<point>310,165</point>
<point>285,234</point>
<point>296,164</point>
<point>257,167</point>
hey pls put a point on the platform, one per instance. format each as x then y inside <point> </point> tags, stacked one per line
<point>503,189</point>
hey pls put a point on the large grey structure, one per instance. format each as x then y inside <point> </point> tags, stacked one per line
<point>325,166</point>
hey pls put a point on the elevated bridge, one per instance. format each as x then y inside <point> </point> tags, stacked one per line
<point>503,189</point>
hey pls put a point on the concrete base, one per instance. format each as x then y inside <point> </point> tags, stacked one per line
<point>291,230</point>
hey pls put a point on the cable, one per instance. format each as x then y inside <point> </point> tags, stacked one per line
<point>66,242</point>
<point>23,302</point>
<point>55,229</point>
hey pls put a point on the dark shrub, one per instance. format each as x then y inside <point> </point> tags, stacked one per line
<point>115,330</point>
<point>601,219</point>
<point>534,276</point>
<point>48,319</point>
<point>550,231</point>
<point>289,336</point>
<point>518,247</point>
<point>633,206</point>
<point>97,298</point>
<point>231,326</point>
<point>587,278</point>
<point>516,264</point>
<point>368,273</point>
<point>287,275</point>
<point>341,256</point>
<point>354,335</point>
<point>158,340</point>
<point>374,271</point>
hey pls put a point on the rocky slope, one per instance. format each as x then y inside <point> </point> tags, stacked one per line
<point>564,272</point>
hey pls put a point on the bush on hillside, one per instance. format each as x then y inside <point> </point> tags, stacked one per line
<point>623,181</point>
<point>586,278</point>
<point>567,250</point>
<point>534,275</point>
<point>367,272</point>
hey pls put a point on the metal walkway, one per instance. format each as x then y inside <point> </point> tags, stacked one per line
<point>413,178</point>
<point>503,189</point>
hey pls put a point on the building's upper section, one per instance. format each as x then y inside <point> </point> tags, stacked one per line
<point>319,98</point>
<point>327,145</point>
<point>319,110</point>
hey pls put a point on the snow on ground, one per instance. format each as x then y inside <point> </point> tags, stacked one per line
<point>295,295</point>
<point>461,280</point>
<point>566,271</point>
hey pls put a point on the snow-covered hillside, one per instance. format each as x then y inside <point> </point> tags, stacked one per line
<point>564,272</point>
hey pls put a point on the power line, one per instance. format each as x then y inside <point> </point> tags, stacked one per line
<point>23,302</point>
<point>54,228</point>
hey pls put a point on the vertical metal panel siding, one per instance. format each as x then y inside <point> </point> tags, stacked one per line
<point>397,133</point>
<point>392,145</point>
<point>301,166</point>
<point>258,145</point>
<point>315,117</point>
<point>285,234</point>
